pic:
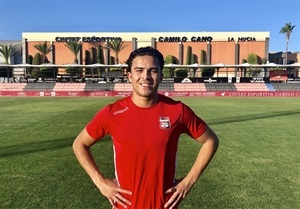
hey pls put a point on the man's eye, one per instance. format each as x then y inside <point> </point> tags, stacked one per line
<point>154,71</point>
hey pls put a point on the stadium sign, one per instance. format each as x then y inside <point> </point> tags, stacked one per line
<point>87,39</point>
<point>278,75</point>
<point>167,93</point>
<point>242,39</point>
<point>185,39</point>
<point>203,39</point>
<point>160,39</point>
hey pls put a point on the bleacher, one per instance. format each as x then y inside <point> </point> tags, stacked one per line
<point>286,86</point>
<point>69,87</point>
<point>179,87</point>
<point>12,86</point>
<point>220,87</point>
<point>251,87</point>
<point>166,87</point>
<point>194,87</point>
<point>39,87</point>
<point>98,87</point>
<point>122,87</point>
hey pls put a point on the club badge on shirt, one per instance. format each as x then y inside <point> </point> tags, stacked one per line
<point>164,122</point>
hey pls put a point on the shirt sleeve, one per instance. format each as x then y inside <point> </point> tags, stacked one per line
<point>98,127</point>
<point>193,125</point>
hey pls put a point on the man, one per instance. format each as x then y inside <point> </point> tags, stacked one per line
<point>145,128</point>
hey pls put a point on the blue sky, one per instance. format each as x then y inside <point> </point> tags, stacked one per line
<point>17,16</point>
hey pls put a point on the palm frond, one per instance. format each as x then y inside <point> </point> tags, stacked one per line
<point>75,48</point>
<point>43,48</point>
<point>7,51</point>
<point>116,46</point>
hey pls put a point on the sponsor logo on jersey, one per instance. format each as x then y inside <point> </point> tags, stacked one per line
<point>164,122</point>
<point>121,111</point>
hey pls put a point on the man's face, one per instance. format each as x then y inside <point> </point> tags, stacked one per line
<point>145,76</point>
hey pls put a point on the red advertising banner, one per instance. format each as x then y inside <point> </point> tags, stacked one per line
<point>167,93</point>
<point>278,75</point>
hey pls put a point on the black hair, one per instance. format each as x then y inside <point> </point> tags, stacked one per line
<point>143,51</point>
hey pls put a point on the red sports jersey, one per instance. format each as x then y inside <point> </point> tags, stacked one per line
<point>145,145</point>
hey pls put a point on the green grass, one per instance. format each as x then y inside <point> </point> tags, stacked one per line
<point>257,164</point>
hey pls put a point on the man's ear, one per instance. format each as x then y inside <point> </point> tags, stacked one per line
<point>129,76</point>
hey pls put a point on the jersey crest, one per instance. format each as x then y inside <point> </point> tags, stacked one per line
<point>164,122</point>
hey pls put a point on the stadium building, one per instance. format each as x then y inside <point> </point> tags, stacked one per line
<point>222,51</point>
<point>205,47</point>
<point>220,47</point>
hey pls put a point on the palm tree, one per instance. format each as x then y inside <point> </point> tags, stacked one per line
<point>44,49</point>
<point>287,29</point>
<point>7,52</point>
<point>75,48</point>
<point>116,46</point>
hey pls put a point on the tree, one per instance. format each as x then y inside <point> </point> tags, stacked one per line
<point>88,61</point>
<point>29,61</point>
<point>205,72</point>
<point>188,60</point>
<point>7,51</point>
<point>203,57</point>
<point>94,55</point>
<point>116,45</point>
<point>189,55</point>
<point>100,56</point>
<point>208,72</point>
<point>37,60</point>
<point>44,49</point>
<point>287,29</point>
<point>252,58</point>
<point>169,72</point>
<point>75,48</point>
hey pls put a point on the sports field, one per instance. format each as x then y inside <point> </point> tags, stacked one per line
<point>257,164</point>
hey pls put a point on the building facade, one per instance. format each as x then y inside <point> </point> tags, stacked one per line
<point>218,47</point>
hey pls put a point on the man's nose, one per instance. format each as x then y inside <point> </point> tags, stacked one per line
<point>146,74</point>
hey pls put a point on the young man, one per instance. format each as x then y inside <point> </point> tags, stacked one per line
<point>145,128</point>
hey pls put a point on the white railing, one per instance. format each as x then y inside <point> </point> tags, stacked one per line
<point>220,65</point>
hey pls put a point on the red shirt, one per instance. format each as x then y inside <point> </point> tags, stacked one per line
<point>145,145</point>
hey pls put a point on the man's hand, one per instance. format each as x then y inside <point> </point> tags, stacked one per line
<point>180,191</point>
<point>111,190</point>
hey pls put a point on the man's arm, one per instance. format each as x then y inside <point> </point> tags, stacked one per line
<point>210,143</point>
<point>108,187</point>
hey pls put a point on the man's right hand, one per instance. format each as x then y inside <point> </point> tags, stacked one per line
<point>111,190</point>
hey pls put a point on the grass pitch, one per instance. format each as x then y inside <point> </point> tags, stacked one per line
<point>257,164</point>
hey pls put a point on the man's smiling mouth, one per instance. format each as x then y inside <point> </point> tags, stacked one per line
<point>146,84</point>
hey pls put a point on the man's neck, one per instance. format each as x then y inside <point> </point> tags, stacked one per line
<point>144,102</point>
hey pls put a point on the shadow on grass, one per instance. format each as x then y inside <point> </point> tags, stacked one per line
<point>56,144</point>
<point>33,147</point>
<point>39,146</point>
<point>243,118</point>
